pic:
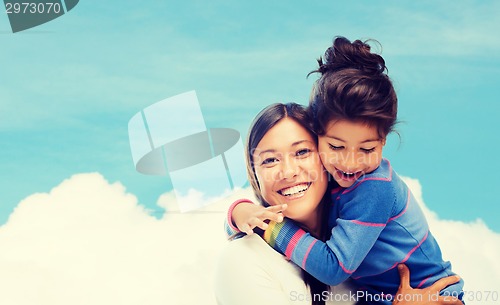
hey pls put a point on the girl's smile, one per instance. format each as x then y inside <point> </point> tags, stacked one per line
<point>349,150</point>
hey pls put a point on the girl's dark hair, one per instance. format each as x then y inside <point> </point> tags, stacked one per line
<point>263,122</point>
<point>353,86</point>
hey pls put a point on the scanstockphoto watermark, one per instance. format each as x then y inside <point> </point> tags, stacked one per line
<point>355,296</point>
<point>351,296</point>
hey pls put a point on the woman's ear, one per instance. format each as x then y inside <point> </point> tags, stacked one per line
<point>383,141</point>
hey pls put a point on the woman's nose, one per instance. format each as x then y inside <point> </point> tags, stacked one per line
<point>289,169</point>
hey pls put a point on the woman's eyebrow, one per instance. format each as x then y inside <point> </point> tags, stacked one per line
<point>300,142</point>
<point>271,150</point>
<point>267,151</point>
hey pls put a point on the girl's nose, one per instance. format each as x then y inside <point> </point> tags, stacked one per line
<point>350,162</point>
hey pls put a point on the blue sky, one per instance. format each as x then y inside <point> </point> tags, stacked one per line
<point>69,87</point>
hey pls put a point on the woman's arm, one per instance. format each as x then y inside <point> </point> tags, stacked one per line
<point>426,296</point>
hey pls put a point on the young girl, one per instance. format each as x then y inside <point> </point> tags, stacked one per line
<point>374,219</point>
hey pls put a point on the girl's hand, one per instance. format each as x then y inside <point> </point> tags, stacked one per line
<point>246,216</point>
<point>426,296</point>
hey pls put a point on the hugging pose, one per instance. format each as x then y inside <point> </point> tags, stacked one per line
<point>332,208</point>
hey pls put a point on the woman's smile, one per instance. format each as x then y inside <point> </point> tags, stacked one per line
<point>294,192</point>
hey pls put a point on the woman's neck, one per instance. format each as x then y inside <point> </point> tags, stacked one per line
<point>312,224</point>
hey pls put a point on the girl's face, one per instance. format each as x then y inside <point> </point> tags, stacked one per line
<point>289,170</point>
<point>349,150</point>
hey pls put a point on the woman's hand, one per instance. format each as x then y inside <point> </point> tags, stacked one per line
<point>426,296</point>
<point>247,216</point>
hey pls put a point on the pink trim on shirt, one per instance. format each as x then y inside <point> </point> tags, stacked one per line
<point>307,254</point>
<point>404,211</point>
<point>345,269</point>
<point>401,262</point>
<point>230,212</point>
<point>336,190</point>
<point>422,282</point>
<point>413,250</point>
<point>368,179</point>
<point>368,224</point>
<point>293,242</point>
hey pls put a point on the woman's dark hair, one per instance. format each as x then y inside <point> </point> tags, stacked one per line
<point>353,86</point>
<point>263,122</point>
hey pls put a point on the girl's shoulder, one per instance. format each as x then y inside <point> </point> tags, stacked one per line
<point>383,175</point>
<point>383,184</point>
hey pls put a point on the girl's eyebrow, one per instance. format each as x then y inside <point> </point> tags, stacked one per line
<point>336,138</point>
<point>365,141</point>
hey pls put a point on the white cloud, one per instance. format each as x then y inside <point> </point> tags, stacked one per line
<point>472,248</point>
<point>90,242</point>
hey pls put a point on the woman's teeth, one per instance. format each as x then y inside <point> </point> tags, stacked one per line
<point>294,190</point>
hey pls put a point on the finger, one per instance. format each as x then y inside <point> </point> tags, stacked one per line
<point>263,225</point>
<point>277,208</point>
<point>278,217</point>
<point>444,282</point>
<point>404,274</point>
<point>257,222</point>
<point>245,228</point>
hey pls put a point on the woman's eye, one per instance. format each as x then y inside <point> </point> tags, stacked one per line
<point>269,161</point>
<point>368,150</point>
<point>303,152</point>
<point>333,147</point>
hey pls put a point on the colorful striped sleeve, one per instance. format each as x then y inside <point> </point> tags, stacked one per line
<point>303,249</point>
<point>357,229</point>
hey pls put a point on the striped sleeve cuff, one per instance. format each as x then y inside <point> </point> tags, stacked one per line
<point>229,226</point>
<point>283,236</point>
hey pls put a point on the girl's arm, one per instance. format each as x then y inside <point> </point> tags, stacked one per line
<point>244,216</point>
<point>361,219</point>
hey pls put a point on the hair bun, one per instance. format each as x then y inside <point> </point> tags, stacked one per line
<point>346,55</point>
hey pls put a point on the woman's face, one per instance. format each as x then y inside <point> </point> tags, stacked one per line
<point>289,170</point>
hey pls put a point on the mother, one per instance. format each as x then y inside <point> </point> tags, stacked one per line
<point>283,162</point>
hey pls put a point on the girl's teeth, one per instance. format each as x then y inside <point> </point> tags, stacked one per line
<point>294,189</point>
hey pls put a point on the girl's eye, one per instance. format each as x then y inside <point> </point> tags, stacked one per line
<point>368,150</point>
<point>303,152</point>
<point>269,161</point>
<point>333,147</point>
